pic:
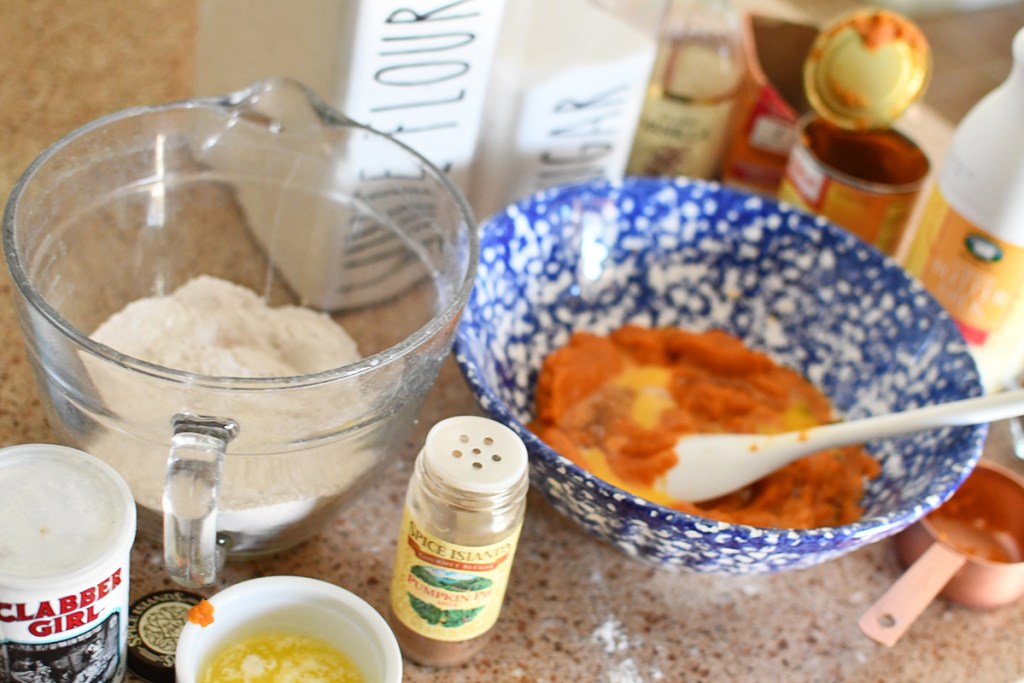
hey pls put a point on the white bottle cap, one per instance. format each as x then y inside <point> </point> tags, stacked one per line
<point>476,454</point>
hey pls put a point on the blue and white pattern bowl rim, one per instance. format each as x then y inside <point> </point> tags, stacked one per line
<point>826,541</point>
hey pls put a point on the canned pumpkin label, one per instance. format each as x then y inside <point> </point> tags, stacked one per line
<point>445,591</point>
<point>866,182</point>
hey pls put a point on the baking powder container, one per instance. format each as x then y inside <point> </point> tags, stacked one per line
<point>970,550</point>
<point>67,524</point>
<point>866,181</point>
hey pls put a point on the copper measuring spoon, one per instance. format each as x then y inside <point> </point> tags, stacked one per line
<point>969,550</point>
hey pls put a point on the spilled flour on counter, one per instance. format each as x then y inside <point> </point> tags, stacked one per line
<point>614,641</point>
<point>214,327</point>
<point>610,636</point>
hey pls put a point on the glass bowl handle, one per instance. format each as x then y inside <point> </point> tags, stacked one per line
<point>194,468</point>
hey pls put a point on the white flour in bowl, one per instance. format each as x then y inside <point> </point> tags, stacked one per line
<point>215,327</point>
<point>297,451</point>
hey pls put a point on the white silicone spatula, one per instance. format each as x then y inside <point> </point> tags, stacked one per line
<point>712,465</point>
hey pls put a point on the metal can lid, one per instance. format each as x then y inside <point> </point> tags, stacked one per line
<point>154,625</point>
<point>864,69</point>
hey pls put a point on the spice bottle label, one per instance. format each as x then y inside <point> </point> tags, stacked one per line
<point>680,138</point>
<point>445,591</point>
<point>975,275</point>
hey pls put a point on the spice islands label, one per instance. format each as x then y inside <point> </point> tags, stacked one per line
<point>445,591</point>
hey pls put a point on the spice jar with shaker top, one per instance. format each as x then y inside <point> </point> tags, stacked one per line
<point>463,513</point>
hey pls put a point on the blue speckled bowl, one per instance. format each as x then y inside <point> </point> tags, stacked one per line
<point>699,256</point>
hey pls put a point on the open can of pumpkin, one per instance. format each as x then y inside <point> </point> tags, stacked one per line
<point>864,181</point>
<point>848,163</point>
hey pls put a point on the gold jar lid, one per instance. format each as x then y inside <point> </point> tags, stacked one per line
<point>866,68</point>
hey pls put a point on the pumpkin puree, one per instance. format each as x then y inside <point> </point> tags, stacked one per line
<point>616,406</point>
<point>201,613</point>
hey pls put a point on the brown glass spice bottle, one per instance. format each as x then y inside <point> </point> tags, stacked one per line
<point>463,513</point>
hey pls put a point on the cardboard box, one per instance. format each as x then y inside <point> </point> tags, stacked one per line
<point>771,104</point>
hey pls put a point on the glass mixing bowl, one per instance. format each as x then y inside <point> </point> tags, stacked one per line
<point>270,189</point>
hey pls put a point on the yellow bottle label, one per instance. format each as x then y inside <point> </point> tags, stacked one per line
<point>973,274</point>
<point>449,592</point>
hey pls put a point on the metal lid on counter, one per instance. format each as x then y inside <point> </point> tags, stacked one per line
<point>154,624</point>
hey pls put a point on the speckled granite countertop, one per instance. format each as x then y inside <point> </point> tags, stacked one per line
<point>576,610</point>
